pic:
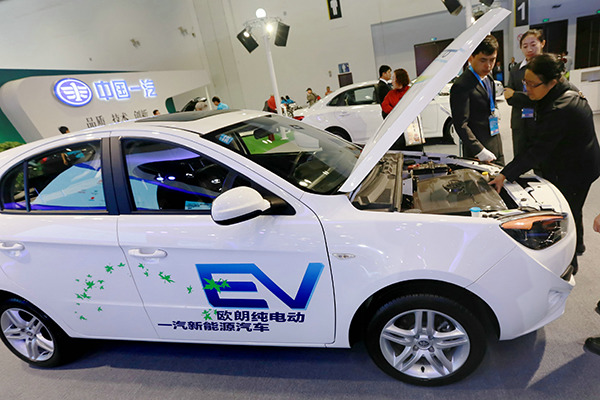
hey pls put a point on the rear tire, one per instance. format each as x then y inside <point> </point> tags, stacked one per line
<point>426,340</point>
<point>449,133</point>
<point>31,335</point>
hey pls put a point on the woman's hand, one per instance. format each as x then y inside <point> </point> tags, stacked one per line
<point>498,183</point>
<point>508,93</point>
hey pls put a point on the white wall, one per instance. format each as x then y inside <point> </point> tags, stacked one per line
<point>316,45</point>
<point>95,35</point>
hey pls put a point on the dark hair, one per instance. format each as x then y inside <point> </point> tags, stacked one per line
<point>155,112</point>
<point>383,69</point>
<point>538,33</point>
<point>63,129</point>
<point>309,89</point>
<point>218,100</point>
<point>488,47</point>
<point>546,67</point>
<point>401,76</point>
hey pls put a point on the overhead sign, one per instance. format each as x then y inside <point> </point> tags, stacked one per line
<point>73,92</point>
<point>521,12</point>
<point>335,9</point>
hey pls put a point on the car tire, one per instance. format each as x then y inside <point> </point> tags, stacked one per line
<point>426,340</point>
<point>449,132</point>
<point>31,335</point>
<point>339,132</point>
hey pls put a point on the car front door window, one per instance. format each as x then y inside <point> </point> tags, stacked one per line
<point>166,177</point>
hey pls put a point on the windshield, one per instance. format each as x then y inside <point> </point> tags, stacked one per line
<point>311,159</point>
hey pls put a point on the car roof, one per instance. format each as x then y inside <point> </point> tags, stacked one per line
<point>198,121</point>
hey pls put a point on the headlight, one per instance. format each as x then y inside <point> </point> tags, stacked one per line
<point>537,231</point>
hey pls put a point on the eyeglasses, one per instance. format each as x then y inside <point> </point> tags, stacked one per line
<point>531,85</point>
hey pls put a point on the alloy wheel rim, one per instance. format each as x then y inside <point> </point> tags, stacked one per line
<point>27,334</point>
<point>425,344</point>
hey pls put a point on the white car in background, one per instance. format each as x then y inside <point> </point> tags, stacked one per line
<point>352,113</point>
<point>248,228</point>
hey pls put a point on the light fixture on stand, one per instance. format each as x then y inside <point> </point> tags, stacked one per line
<point>265,26</point>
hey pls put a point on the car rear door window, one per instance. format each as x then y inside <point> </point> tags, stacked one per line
<point>64,179</point>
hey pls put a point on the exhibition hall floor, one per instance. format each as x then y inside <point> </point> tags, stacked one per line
<point>547,364</point>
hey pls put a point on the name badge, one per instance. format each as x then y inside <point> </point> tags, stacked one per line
<point>527,113</point>
<point>494,127</point>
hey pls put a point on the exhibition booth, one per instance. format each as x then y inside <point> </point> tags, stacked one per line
<point>36,106</point>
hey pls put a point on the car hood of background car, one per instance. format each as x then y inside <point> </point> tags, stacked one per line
<point>445,67</point>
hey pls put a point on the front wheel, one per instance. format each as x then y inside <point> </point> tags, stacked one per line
<point>426,340</point>
<point>31,335</point>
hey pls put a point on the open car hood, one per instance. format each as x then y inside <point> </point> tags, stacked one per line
<point>445,67</point>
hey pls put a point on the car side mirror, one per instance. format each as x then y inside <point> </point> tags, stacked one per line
<point>237,205</point>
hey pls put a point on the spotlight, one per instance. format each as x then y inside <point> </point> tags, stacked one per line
<point>454,7</point>
<point>247,40</point>
<point>282,34</point>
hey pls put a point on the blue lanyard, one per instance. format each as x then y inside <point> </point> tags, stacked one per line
<point>489,91</point>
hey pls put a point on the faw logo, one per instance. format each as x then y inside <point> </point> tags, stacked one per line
<point>73,92</point>
<point>213,288</point>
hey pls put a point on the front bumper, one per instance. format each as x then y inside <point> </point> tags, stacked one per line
<point>523,293</point>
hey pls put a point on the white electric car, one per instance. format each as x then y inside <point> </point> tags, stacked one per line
<point>243,227</point>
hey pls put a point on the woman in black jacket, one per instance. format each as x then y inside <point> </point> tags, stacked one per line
<point>565,146</point>
<point>521,117</point>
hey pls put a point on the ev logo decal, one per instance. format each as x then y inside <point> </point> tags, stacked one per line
<point>213,288</point>
<point>73,92</point>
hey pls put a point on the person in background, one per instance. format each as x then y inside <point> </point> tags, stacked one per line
<point>220,106</point>
<point>593,343</point>
<point>311,98</point>
<point>564,145</point>
<point>512,64</point>
<point>156,112</point>
<point>400,84</point>
<point>472,102</point>
<point>521,117</point>
<point>327,90</point>
<point>270,105</point>
<point>498,73</point>
<point>63,130</point>
<point>568,60</point>
<point>382,87</point>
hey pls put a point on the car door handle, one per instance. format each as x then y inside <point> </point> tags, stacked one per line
<point>144,254</point>
<point>14,247</point>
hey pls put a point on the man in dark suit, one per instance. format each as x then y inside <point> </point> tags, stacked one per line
<point>382,87</point>
<point>472,102</point>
